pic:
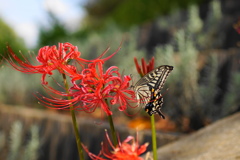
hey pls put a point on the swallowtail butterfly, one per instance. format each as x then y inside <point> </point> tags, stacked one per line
<point>148,89</point>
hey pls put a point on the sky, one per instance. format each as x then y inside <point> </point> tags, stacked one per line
<point>27,16</point>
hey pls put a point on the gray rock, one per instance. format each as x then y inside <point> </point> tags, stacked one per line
<point>218,141</point>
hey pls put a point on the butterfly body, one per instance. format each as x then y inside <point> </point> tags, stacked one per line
<point>148,89</point>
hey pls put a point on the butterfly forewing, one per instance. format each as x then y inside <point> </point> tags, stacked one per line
<point>148,88</point>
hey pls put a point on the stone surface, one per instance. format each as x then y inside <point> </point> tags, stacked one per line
<point>218,141</point>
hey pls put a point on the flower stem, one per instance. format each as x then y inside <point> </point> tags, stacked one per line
<point>78,140</point>
<point>154,138</point>
<point>113,131</point>
<point>112,128</point>
<point>74,121</point>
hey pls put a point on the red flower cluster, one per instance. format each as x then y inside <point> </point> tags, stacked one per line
<point>124,150</point>
<point>94,88</point>
<point>91,86</point>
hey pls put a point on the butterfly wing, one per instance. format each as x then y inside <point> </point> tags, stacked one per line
<point>154,105</point>
<point>148,89</point>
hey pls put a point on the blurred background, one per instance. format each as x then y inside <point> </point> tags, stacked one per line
<point>197,37</point>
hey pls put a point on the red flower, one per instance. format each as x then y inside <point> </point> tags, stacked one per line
<point>129,149</point>
<point>96,87</point>
<point>93,88</point>
<point>122,94</point>
<point>145,68</point>
<point>50,58</point>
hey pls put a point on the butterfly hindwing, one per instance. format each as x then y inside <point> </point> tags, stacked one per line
<point>154,105</point>
<point>148,89</point>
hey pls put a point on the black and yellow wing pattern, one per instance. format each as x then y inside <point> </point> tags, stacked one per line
<point>148,89</point>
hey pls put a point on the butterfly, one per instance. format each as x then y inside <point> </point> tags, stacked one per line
<point>148,89</point>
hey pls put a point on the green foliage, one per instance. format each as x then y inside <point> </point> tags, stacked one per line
<point>195,23</point>
<point>31,149</point>
<point>18,88</point>
<point>53,35</point>
<point>183,81</point>
<point>128,13</point>
<point>19,151</point>
<point>2,141</point>
<point>194,94</point>
<point>209,88</point>
<point>9,37</point>
<point>15,141</point>
<point>232,99</point>
<point>211,36</point>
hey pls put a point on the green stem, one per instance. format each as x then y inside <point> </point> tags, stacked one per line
<point>113,132</point>
<point>112,128</point>
<point>154,138</point>
<point>74,120</point>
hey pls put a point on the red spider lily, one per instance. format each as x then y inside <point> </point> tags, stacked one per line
<point>145,68</point>
<point>121,93</point>
<point>96,87</point>
<point>50,58</point>
<point>93,87</point>
<point>129,149</point>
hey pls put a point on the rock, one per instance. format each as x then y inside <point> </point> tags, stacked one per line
<point>220,140</point>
